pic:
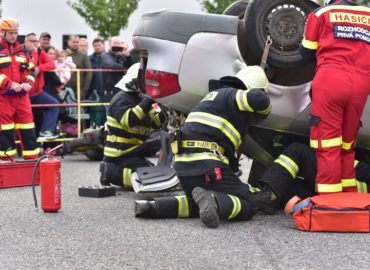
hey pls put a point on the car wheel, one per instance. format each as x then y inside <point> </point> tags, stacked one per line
<point>284,22</point>
<point>94,154</point>
<point>237,8</point>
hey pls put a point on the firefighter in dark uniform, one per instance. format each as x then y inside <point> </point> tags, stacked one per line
<point>130,121</point>
<point>294,173</point>
<point>338,36</point>
<point>205,147</point>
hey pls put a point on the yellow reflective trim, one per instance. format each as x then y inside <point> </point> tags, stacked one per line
<point>347,145</point>
<point>20,59</point>
<point>126,175</point>
<point>329,187</point>
<point>236,206</point>
<point>326,143</point>
<point>312,45</point>
<point>288,164</point>
<point>138,111</point>
<point>265,111</point>
<point>314,144</point>
<point>157,120</point>
<point>30,77</point>
<point>356,162</point>
<point>331,142</point>
<point>125,119</point>
<point>12,152</point>
<point>242,101</point>
<point>212,146</point>
<point>31,65</point>
<point>113,152</point>
<point>183,206</point>
<point>2,77</point>
<point>30,152</point>
<point>361,187</point>
<point>141,130</point>
<point>342,7</point>
<point>6,59</point>
<point>217,122</point>
<point>24,126</point>
<point>199,156</point>
<point>113,139</point>
<point>7,126</point>
<point>349,182</point>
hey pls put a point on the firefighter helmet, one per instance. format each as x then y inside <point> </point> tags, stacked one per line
<point>328,2</point>
<point>128,83</point>
<point>9,24</point>
<point>253,77</point>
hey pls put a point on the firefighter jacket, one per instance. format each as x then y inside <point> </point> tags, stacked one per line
<point>130,120</point>
<point>340,33</point>
<point>14,67</point>
<point>44,63</point>
<point>214,129</point>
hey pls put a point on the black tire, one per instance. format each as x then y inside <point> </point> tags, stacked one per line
<point>237,8</point>
<point>268,17</point>
<point>94,154</point>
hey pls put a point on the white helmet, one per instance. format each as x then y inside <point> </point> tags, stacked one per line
<point>328,2</point>
<point>129,79</point>
<point>253,77</point>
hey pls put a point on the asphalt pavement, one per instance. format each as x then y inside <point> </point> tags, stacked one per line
<point>102,233</point>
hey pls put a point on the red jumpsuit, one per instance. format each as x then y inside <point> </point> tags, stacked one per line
<point>15,108</point>
<point>341,35</point>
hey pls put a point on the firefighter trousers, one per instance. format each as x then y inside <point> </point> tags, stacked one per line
<point>294,173</point>
<point>231,195</point>
<point>16,114</point>
<point>119,169</point>
<point>339,95</point>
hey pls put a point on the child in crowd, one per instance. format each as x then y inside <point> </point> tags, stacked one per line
<point>65,63</point>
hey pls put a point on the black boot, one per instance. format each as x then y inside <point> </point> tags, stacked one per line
<point>110,174</point>
<point>144,209</point>
<point>264,199</point>
<point>104,173</point>
<point>208,211</point>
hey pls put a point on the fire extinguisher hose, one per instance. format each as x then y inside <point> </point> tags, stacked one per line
<point>33,179</point>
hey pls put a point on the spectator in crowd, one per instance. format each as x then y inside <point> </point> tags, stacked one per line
<point>97,114</point>
<point>126,50</point>
<point>82,62</point>
<point>115,59</point>
<point>44,40</point>
<point>64,63</point>
<point>96,63</point>
<point>42,63</point>
<point>83,45</point>
<point>53,85</point>
<point>51,51</point>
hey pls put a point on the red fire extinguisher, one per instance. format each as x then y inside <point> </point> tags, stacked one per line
<point>50,182</point>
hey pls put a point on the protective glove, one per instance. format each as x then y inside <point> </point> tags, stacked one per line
<point>146,104</point>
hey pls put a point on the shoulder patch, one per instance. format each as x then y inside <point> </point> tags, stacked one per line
<point>210,96</point>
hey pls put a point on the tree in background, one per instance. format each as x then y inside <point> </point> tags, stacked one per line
<point>107,17</point>
<point>215,6</point>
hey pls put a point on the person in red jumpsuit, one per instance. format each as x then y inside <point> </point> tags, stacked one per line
<point>338,36</point>
<point>15,107</point>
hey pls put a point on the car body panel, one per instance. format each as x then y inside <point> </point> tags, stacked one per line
<point>207,54</point>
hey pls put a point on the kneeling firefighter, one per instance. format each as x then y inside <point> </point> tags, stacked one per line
<point>294,173</point>
<point>130,120</point>
<point>205,149</point>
